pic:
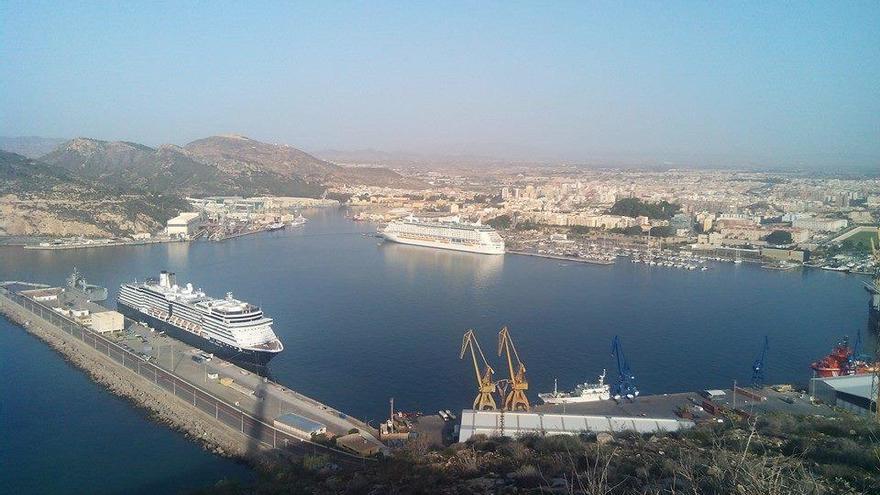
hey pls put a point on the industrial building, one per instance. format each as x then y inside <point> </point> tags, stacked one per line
<point>513,424</point>
<point>107,321</point>
<point>299,425</point>
<point>183,225</point>
<point>850,392</point>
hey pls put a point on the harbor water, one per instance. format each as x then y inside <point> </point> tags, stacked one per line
<point>363,321</point>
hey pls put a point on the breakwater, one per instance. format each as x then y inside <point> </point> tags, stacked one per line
<point>220,426</point>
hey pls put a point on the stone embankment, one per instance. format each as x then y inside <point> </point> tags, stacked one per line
<point>163,407</point>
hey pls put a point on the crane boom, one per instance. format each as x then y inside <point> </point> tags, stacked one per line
<point>758,366</point>
<point>485,385</point>
<point>625,385</point>
<point>515,399</point>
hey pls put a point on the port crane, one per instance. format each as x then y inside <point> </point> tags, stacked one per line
<point>485,385</point>
<point>758,366</point>
<point>515,399</point>
<point>626,381</point>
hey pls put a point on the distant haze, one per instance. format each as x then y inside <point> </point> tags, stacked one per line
<point>687,84</point>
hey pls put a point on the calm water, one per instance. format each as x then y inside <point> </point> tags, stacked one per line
<point>363,322</point>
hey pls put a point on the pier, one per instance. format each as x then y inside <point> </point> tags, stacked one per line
<point>563,258</point>
<point>236,406</point>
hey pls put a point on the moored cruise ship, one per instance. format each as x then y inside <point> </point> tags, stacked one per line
<point>229,328</point>
<point>451,234</point>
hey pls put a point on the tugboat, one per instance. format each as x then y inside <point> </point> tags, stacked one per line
<point>843,360</point>
<point>585,392</point>
<point>76,282</point>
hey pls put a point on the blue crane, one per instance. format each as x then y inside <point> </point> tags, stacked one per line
<point>626,381</point>
<point>855,355</point>
<point>758,366</point>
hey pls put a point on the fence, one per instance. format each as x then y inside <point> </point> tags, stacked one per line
<point>222,411</point>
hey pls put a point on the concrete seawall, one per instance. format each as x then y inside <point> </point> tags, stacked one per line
<point>221,427</point>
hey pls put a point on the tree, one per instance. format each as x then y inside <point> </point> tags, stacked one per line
<point>663,231</point>
<point>500,222</point>
<point>779,237</point>
<point>634,207</point>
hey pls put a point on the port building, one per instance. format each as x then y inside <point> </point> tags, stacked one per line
<point>850,392</point>
<point>183,225</point>
<point>513,424</point>
<point>107,322</point>
<point>298,425</point>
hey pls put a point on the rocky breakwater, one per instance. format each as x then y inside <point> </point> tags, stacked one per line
<point>161,405</point>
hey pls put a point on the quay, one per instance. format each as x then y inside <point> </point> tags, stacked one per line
<point>562,258</point>
<point>230,409</point>
<point>97,244</point>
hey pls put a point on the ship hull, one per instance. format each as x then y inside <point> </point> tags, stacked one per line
<point>550,399</point>
<point>442,245</point>
<point>248,358</point>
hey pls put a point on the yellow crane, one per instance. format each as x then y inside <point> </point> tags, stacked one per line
<point>515,399</point>
<point>485,385</point>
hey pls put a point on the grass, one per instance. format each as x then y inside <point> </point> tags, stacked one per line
<point>777,454</point>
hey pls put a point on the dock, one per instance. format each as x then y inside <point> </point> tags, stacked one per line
<point>562,258</point>
<point>175,375</point>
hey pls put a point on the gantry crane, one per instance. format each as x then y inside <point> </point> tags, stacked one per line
<point>485,385</point>
<point>515,399</point>
<point>758,366</point>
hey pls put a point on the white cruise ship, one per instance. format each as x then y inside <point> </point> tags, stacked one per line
<point>230,328</point>
<point>451,234</point>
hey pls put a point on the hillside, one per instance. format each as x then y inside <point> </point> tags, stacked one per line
<point>778,454</point>
<point>29,146</point>
<point>241,156</point>
<point>218,165</point>
<point>40,199</point>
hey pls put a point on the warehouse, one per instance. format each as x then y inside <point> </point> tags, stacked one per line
<point>299,425</point>
<point>851,392</point>
<point>107,321</point>
<point>521,423</point>
<point>183,225</point>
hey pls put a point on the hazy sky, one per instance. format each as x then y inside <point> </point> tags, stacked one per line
<point>714,83</point>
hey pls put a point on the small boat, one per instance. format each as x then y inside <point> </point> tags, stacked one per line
<point>585,392</point>
<point>299,221</point>
<point>275,226</point>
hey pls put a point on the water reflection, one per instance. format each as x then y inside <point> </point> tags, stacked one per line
<point>417,260</point>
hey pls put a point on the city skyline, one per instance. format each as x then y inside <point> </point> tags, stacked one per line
<point>681,85</point>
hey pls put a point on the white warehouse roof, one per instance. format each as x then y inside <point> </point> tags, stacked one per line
<point>184,218</point>
<point>521,423</point>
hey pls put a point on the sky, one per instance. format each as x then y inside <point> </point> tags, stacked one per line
<point>679,83</point>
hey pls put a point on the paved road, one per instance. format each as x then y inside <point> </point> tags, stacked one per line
<point>270,399</point>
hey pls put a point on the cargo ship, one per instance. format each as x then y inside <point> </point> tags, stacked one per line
<point>585,392</point>
<point>444,234</point>
<point>229,328</point>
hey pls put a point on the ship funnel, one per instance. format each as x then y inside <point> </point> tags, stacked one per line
<point>172,279</point>
<point>163,279</point>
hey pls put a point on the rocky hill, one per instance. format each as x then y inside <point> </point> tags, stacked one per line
<point>29,146</point>
<point>41,199</point>
<point>239,155</point>
<point>230,165</point>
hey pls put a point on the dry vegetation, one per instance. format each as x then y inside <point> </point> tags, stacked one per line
<point>778,454</point>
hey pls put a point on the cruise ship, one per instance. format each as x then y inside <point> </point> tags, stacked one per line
<point>229,328</point>
<point>445,234</point>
